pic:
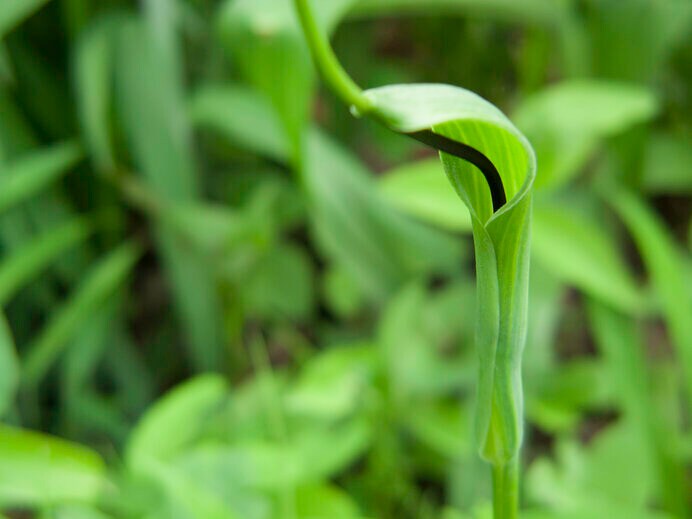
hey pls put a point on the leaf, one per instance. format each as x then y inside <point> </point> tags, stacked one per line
<point>263,37</point>
<point>98,285</point>
<point>530,11</point>
<point>421,189</point>
<point>154,115</point>
<point>93,58</point>
<point>175,421</point>
<point>9,367</point>
<point>665,264</point>
<point>243,116</point>
<point>333,384</point>
<point>280,285</point>
<point>501,238</point>
<point>325,502</point>
<point>315,455</point>
<point>348,214</point>
<point>26,263</point>
<point>39,470</point>
<point>608,478</point>
<point>26,176</point>
<point>566,122</point>
<point>13,12</point>
<point>637,47</point>
<point>578,250</point>
<point>619,339</point>
<point>666,165</point>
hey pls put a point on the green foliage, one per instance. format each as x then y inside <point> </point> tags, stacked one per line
<point>224,297</point>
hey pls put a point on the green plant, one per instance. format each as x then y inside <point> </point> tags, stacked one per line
<point>469,131</point>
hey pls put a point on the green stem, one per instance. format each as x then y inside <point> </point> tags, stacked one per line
<point>506,490</point>
<point>334,74</point>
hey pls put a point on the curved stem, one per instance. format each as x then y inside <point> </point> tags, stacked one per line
<point>506,490</point>
<point>327,62</point>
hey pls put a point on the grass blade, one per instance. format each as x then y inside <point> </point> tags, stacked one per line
<point>24,177</point>
<point>98,285</point>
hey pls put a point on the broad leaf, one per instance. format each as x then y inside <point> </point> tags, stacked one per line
<point>420,189</point>
<point>175,421</point>
<point>566,122</point>
<point>39,470</point>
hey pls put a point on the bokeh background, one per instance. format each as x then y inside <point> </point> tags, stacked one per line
<point>224,297</point>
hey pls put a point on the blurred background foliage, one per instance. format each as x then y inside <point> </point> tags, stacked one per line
<point>224,298</point>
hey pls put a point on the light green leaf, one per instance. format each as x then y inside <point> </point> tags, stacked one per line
<point>243,116</point>
<point>637,47</point>
<point>263,37</point>
<point>391,248</point>
<point>666,168</point>
<point>93,58</point>
<point>333,384</point>
<point>9,367</point>
<point>421,189</point>
<point>577,249</point>
<point>39,470</point>
<point>325,502</point>
<point>175,421</point>
<point>26,176</point>
<point>97,286</point>
<point>280,285</point>
<point>26,263</point>
<point>501,237</point>
<point>566,122</point>
<point>620,341</point>
<point>13,12</point>
<point>529,11</point>
<point>665,263</point>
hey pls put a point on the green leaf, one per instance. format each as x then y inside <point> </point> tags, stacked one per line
<point>666,165</point>
<point>665,263</point>
<point>577,249</point>
<point>529,11</point>
<point>243,116</point>
<point>39,470</point>
<point>263,37</point>
<point>26,176</point>
<point>28,262</point>
<point>566,122</point>
<point>9,367</point>
<point>391,248</point>
<point>501,238</point>
<point>421,189</point>
<point>280,285</point>
<point>154,115</point>
<point>97,286</point>
<point>620,341</point>
<point>13,12</point>
<point>93,58</point>
<point>324,502</point>
<point>637,47</point>
<point>608,478</point>
<point>333,384</point>
<point>175,421</point>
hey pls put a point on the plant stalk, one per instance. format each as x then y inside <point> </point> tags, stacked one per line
<point>506,490</point>
<point>334,74</point>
